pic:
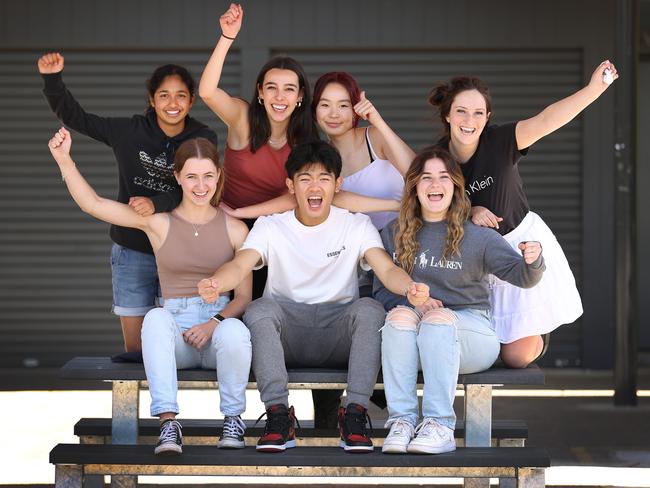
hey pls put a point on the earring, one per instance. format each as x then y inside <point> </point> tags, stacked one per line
<point>299,103</point>
<point>260,100</point>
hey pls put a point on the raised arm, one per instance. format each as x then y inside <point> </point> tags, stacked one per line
<point>385,142</point>
<point>66,107</point>
<point>232,111</point>
<point>84,195</point>
<point>563,111</point>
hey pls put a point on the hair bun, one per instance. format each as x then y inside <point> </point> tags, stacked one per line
<point>438,94</point>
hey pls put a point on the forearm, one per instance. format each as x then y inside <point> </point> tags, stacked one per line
<point>229,276</point>
<point>279,204</point>
<point>236,307</point>
<point>82,193</point>
<point>70,112</point>
<point>395,280</point>
<point>360,203</point>
<point>209,84</point>
<point>396,150</point>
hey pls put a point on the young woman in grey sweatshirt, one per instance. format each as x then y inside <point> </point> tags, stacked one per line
<point>451,333</point>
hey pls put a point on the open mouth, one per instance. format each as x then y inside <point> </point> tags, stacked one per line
<point>434,196</point>
<point>173,113</point>
<point>467,130</point>
<point>315,202</point>
<point>200,194</point>
<point>279,108</point>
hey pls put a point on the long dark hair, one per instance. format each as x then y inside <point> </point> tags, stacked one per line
<point>442,96</point>
<point>410,219</point>
<point>302,127</point>
<point>201,148</point>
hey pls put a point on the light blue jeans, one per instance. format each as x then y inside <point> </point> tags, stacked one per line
<point>164,351</point>
<point>441,352</point>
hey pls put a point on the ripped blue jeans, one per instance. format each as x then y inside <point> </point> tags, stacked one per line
<point>441,344</point>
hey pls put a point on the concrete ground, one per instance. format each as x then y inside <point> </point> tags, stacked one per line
<point>573,416</point>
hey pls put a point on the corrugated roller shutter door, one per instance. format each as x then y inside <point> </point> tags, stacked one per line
<point>55,280</point>
<point>522,83</point>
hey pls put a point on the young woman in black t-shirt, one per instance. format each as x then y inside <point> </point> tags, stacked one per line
<point>489,155</point>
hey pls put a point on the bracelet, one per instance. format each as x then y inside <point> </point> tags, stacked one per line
<point>227,37</point>
<point>218,318</point>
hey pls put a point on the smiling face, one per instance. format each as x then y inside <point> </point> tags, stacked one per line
<point>467,117</point>
<point>334,112</point>
<point>280,92</point>
<point>435,190</point>
<point>172,102</point>
<point>198,180</point>
<point>314,188</point>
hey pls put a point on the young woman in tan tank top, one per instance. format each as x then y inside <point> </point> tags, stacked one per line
<point>189,243</point>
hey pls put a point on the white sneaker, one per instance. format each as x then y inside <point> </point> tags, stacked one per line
<point>432,438</point>
<point>397,440</point>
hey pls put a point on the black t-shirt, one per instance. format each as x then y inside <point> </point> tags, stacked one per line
<point>492,177</point>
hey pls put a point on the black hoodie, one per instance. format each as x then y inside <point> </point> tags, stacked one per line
<point>144,154</point>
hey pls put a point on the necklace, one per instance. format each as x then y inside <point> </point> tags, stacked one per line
<point>196,229</point>
<point>277,143</point>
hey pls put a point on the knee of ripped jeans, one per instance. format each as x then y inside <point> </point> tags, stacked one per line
<point>403,318</point>
<point>440,316</point>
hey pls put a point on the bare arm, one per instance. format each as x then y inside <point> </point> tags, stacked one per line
<point>563,111</point>
<point>343,199</point>
<point>229,276</point>
<point>284,202</point>
<point>385,141</point>
<point>232,111</point>
<point>394,278</point>
<point>84,195</point>
<point>360,203</point>
<point>237,232</point>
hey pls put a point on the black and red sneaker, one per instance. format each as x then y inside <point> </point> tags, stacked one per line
<point>352,427</point>
<point>280,431</point>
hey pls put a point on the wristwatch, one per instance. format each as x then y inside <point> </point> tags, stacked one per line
<point>217,317</point>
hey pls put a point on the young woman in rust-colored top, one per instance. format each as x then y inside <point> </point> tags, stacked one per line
<point>189,244</point>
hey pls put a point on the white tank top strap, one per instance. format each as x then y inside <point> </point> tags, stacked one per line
<point>373,154</point>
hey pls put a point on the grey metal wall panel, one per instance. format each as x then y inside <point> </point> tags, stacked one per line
<point>55,283</point>
<point>522,83</point>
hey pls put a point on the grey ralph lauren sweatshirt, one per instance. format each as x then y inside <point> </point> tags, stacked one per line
<point>462,280</point>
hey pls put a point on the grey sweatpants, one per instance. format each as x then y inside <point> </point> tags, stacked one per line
<point>334,335</point>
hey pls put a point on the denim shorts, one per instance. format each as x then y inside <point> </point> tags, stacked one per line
<point>136,289</point>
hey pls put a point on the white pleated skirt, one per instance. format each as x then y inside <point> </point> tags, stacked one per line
<point>519,312</point>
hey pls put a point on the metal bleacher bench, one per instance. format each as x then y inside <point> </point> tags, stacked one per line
<point>125,458</point>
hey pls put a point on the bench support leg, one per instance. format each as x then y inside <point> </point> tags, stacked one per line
<point>531,478</point>
<point>478,424</point>
<point>126,402</point>
<point>68,476</point>
<point>124,481</point>
<point>124,429</point>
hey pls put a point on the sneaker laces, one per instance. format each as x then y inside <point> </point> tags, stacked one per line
<point>233,427</point>
<point>277,421</point>
<point>170,431</point>
<point>400,427</point>
<point>430,428</point>
<point>356,421</point>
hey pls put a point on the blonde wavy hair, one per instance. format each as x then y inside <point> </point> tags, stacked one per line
<point>410,216</point>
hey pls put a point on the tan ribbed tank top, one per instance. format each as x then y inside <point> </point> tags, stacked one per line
<point>185,259</point>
